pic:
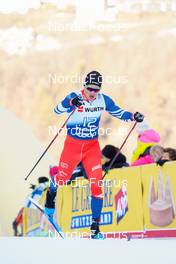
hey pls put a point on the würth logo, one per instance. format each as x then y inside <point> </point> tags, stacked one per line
<point>90,109</point>
<point>94,109</point>
<point>80,108</point>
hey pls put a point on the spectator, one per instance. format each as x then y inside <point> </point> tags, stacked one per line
<point>17,223</point>
<point>108,153</point>
<point>43,184</point>
<point>155,154</point>
<point>146,139</point>
<point>53,171</point>
<point>168,155</point>
<point>36,194</point>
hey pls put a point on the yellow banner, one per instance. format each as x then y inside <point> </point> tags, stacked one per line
<point>135,199</point>
<point>34,223</point>
<point>159,196</point>
<point>122,204</point>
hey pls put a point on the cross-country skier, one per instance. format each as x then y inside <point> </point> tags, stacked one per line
<point>82,144</point>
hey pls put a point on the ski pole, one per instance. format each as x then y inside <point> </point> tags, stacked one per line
<point>118,152</point>
<point>50,144</point>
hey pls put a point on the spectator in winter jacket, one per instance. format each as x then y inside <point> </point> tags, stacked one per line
<point>108,153</point>
<point>155,153</point>
<point>43,184</point>
<point>168,155</point>
<point>146,139</point>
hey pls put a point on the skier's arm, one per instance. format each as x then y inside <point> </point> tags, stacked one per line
<point>65,104</point>
<point>116,111</point>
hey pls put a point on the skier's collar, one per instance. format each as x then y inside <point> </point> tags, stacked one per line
<point>85,97</point>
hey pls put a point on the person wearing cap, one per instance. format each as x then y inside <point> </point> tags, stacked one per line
<point>146,139</point>
<point>81,144</point>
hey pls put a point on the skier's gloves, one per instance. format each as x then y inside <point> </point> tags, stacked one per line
<point>138,117</point>
<point>77,101</point>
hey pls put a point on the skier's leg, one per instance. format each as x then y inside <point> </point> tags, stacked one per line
<point>70,157</point>
<point>93,168</point>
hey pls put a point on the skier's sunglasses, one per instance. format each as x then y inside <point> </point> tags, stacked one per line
<point>93,90</point>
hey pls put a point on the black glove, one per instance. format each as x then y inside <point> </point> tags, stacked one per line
<point>77,101</point>
<point>138,117</point>
<point>161,162</point>
<point>32,186</point>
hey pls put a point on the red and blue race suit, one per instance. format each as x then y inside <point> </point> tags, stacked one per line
<point>81,144</point>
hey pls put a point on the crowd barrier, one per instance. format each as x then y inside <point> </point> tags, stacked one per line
<point>139,202</point>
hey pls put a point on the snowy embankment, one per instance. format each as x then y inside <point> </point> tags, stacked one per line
<point>52,250</point>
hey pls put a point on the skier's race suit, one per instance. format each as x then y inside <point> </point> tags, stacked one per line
<point>82,144</point>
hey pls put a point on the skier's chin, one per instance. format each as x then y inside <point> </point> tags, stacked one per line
<point>92,97</point>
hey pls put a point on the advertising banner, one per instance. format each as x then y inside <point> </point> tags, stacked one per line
<point>34,223</point>
<point>122,204</point>
<point>138,202</point>
<point>159,198</point>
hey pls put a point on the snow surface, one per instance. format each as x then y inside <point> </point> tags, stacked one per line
<point>53,250</point>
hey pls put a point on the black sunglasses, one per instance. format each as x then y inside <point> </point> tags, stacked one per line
<point>93,90</point>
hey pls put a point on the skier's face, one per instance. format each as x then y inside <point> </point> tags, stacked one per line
<point>90,93</point>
